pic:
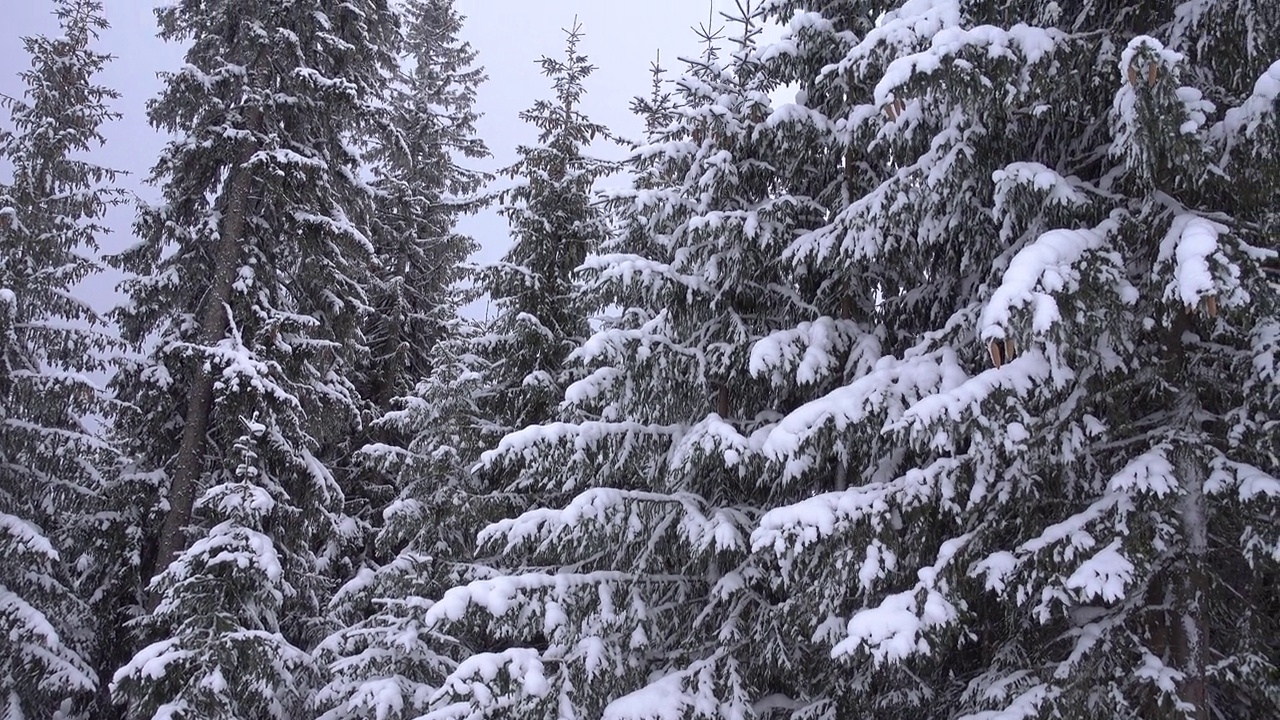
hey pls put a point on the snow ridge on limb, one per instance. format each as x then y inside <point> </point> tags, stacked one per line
<point>1044,267</point>
<point>878,398</point>
<point>1251,116</point>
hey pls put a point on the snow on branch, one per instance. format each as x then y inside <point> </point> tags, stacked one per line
<point>628,269</point>
<point>686,693</point>
<point>896,629</point>
<point>812,350</point>
<point>1254,111</point>
<point>1032,44</point>
<point>473,681</point>
<point>899,32</point>
<point>890,387</point>
<point>633,513</point>
<point>1020,375</point>
<point>581,437</point>
<point>1190,243</point>
<point>501,595</point>
<point>1044,267</point>
<point>789,529</point>
<point>1057,190</point>
<point>1073,544</point>
<point>1249,482</point>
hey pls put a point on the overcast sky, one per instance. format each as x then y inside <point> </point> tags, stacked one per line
<point>509,35</point>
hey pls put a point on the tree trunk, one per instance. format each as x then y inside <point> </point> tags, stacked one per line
<point>213,328</point>
<point>1187,630</point>
<point>1190,623</point>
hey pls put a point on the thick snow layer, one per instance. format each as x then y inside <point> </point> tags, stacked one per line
<point>500,595</point>
<point>1020,376</point>
<point>1042,268</point>
<point>476,677</point>
<point>1021,42</point>
<point>635,511</point>
<point>1145,45</point>
<point>1255,110</point>
<point>900,32</point>
<point>26,535</point>
<point>791,528</point>
<point>153,661</point>
<point>1026,706</point>
<point>813,350</point>
<point>712,436</point>
<point>580,436</point>
<point>231,544</point>
<point>1190,243</point>
<point>1058,190</point>
<point>626,270</point>
<point>1104,576</point>
<point>1249,482</point>
<point>688,693</point>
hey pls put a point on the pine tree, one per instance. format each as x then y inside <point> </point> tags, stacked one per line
<point>50,343</point>
<point>385,662</point>
<point>1062,468</point>
<point>485,380</point>
<point>637,596</point>
<point>222,601</point>
<point>249,289</point>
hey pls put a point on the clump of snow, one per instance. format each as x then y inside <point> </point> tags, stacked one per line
<point>812,349</point>
<point>890,387</point>
<point>1104,576</point>
<point>1190,243</point>
<point>631,509</point>
<point>896,629</point>
<point>1249,116</point>
<point>1046,263</point>
<point>1025,42</point>
<point>1058,190</point>
<point>1150,49</point>
<point>1021,375</point>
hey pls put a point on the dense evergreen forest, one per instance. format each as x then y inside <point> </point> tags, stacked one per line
<point>926,367</point>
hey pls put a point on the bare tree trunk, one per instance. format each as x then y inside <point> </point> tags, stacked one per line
<point>1190,624</point>
<point>213,328</point>
<point>1186,617</point>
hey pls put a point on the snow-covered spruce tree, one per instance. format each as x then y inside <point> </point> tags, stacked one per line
<point>221,601</point>
<point>555,223</point>
<point>637,597</point>
<point>385,662</point>
<point>249,284</point>
<point>485,381</point>
<point>1062,472</point>
<point>421,190</point>
<point>51,458</point>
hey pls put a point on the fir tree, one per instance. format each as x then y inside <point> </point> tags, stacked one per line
<point>421,192</point>
<point>637,596</point>
<point>51,341</point>
<point>1062,470</point>
<point>554,225</point>
<point>484,381</point>
<point>250,285</point>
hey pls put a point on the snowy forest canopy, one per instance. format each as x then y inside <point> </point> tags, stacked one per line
<point>927,365</point>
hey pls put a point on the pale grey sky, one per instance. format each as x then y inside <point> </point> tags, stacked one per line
<point>509,35</point>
